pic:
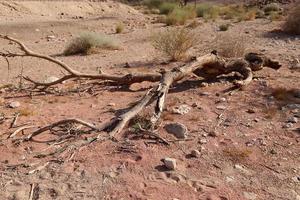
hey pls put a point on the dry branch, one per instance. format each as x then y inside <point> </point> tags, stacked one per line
<point>206,66</point>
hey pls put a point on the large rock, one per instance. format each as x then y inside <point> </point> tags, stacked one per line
<point>177,129</point>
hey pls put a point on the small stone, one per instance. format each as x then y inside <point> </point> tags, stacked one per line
<point>195,153</point>
<point>203,84</point>
<point>250,111</point>
<point>292,119</point>
<point>220,107</point>
<point>14,104</point>
<point>203,141</point>
<point>229,179</point>
<point>51,37</point>
<point>250,195</point>
<point>288,125</point>
<point>112,104</point>
<point>170,163</point>
<point>177,129</point>
<point>256,120</point>
<point>223,99</point>
<point>273,151</point>
<point>51,79</point>
<point>296,179</point>
<point>204,93</point>
<point>182,109</point>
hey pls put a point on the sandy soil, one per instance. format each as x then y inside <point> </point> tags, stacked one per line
<point>250,156</point>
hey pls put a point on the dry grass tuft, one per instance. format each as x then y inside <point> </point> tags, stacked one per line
<point>292,24</point>
<point>175,43</point>
<point>237,154</point>
<point>26,112</point>
<point>88,43</point>
<point>230,46</point>
<point>286,95</point>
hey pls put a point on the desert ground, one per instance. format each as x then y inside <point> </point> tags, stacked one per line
<point>247,141</point>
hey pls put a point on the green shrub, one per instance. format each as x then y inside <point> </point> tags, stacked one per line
<point>179,16</point>
<point>203,8</point>
<point>88,43</point>
<point>292,24</point>
<point>167,8</point>
<point>175,43</point>
<point>212,13</point>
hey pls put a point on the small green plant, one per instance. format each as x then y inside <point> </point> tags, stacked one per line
<point>274,16</point>
<point>224,27</point>
<point>212,13</point>
<point>292,23</point>
<point>88,43</point>
<point>119,28</point>
<point>175,43</point>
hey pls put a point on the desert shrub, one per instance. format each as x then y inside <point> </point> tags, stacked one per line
<point>292,24</point>
<point>119,28</point>
<point>229,45</point>
<point>203,8</point>
<point>272,7</point>
<point>167,7</point>
<point>88,43</point>
<point>153,3</point>
<point>179,16</point>
<point>259,14</point>
<point>224,27</point>
<point>175,43</point>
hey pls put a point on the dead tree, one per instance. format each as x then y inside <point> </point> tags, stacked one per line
<point>207,66</point>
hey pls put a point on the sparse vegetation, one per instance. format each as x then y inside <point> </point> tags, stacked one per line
<point>229,45</point>
<point>119,28</point>
<point>167,7</point>
<point>180,16</point>
<point>88,43</point>
<point>292,24</point>
<point>175,43</point>
<point>272,7</point>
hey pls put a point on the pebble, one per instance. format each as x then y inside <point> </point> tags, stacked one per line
<point>203,141</point>
<point>204,93</point>
<point>51,79</point>
<point>221,107</point>
<point>182,109</point>
<point>170,163</point>
<point>223,99</point>
<point>14,104</point>
<point>177,129</point>
<point>249,195</point>
<point>50,37</point>
<point>112,104</point>
<point>195,153</point>
<point>292,119</point>
<point>288,125</point>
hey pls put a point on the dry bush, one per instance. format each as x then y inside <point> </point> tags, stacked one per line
<point>175,43</point>
<point>119,28</point>
<point>292,24</point>
<point>208,11</point>
<point>229,45</point>
<point>272,7</point>
<point>179,16</point>
<point>88,43</point>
